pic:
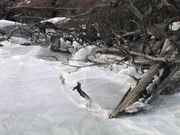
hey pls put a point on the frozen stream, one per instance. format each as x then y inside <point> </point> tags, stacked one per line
<point>33,101</point>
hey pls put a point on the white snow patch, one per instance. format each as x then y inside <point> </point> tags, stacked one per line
<point>57,20</point>
<point>64,45</point>
<point>27,1</point>
<point>83,53</point>
<point>76,45</point>
<point>4,23</point>
<point>137,106</point>
<point>175,26</point>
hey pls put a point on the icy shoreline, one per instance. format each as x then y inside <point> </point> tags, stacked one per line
<point>34,102</point>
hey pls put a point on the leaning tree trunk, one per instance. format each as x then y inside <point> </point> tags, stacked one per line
<point>134,94</point>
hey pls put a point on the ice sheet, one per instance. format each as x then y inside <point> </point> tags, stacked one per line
<point>34,102</point>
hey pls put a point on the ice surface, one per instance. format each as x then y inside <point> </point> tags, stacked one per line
<point>33,101</point>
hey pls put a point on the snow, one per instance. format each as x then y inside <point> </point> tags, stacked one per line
<point>57,20</point>
<point>82,53</point>
<point>27,1</point>
<point>34,101</point>
<point>137,106</point>
<point>5,23</point>
<point>64,45</point>
<point>175,26</point>
<point>15,41</point>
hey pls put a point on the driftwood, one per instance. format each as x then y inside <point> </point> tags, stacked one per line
<point>123,52</point>
<point>134,94</point>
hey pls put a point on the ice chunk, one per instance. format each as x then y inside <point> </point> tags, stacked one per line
<point>83,53</point>
<point>137,106</point>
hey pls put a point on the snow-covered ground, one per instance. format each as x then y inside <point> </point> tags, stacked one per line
<point>33,100</point>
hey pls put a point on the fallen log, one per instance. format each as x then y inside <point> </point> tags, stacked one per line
<point>136,93</point>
